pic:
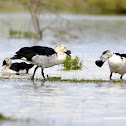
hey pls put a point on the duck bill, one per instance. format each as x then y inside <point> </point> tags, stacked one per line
<point>68,53</point>
<point>99,63</point>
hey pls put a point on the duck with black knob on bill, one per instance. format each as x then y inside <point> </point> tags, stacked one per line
<point>116,62</point>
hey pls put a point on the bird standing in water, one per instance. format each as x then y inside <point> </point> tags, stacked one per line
<point>116,61</point>
<point>42,56</point>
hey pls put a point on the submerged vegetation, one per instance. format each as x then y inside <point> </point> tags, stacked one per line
<point>72,64</point>
<point>59,79</point>
<point>20,34</point>
<point>74,80</point>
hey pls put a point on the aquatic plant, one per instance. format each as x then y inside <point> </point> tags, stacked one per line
<point>21,34</point>
<point>53,79</point>
<point>72,64</point>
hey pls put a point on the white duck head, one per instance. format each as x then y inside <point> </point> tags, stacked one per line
<point>105,56</point>
<point>62,49</point>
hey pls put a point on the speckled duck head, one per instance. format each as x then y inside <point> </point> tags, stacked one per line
<point>105,56</point>
<point>6,62</point>
<point>62,49</point>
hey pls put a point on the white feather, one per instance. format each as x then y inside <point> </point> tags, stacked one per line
<point>117,64</point>
<point>48,61</point>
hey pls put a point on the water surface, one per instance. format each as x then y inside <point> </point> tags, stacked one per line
<point>63,103</point>
<point>69,104</point>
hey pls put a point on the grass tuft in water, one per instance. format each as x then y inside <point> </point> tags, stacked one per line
<point>72,64</point>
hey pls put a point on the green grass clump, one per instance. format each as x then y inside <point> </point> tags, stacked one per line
<point>20,34</point>
<point>2,117</point>
<point>72,64</point>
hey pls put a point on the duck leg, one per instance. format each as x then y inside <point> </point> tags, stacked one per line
<point>26,70</point>
<point>43,73</point>
<point>111,76</point>
<point>121,77</point>
<point>32,77</point>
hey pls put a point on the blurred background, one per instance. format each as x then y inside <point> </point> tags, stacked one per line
<point>87,28</point>
<point>111,7</point>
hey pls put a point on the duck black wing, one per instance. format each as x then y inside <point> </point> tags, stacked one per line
<point>42,50</point>
<point>121,55</point>
<point>18,66</point>
<point>29,52</point>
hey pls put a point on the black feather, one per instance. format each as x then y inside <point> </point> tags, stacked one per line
<point>29,52</point>
<point>26,52</point>
<point>21,66</point>
<point>121,55</point>
<point>42,50</point>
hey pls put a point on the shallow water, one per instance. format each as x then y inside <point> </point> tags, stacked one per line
<point>68,104</point>
<point>63,103</point>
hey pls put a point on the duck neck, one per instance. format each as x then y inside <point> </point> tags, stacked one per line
<point>61,57</point>
<point>7,66</point>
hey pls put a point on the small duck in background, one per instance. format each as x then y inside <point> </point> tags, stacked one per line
<point>15,67</point>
